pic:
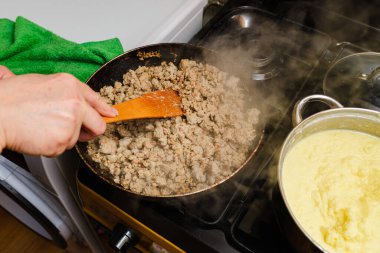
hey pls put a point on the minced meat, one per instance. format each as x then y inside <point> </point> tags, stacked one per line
<point>179,155</point>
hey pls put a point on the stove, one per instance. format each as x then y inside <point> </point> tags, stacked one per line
<point>286,49</point>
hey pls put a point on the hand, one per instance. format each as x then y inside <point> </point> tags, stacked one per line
<point>47,114</point>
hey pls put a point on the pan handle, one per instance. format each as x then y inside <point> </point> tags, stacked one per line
<point>300,105</point>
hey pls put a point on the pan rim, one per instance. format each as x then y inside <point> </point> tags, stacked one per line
<point>257,143</point>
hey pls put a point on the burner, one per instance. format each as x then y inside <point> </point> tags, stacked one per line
<point>262,55</point>
<point>263,58</point>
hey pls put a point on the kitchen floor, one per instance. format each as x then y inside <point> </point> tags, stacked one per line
<point>15,237</point>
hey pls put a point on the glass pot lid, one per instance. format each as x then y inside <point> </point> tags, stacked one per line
<point>355,80</point>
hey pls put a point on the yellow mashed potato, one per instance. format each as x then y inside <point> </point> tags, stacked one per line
<point>331,181</point>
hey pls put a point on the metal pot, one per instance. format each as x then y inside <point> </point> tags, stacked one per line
<point>154,55</point>
<point>357,119</point>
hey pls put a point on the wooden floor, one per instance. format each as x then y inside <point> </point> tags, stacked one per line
<point>15,237</point>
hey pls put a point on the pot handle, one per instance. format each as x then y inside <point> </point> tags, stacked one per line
<point>298,108</point>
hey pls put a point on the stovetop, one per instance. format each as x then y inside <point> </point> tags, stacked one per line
<point>283,51</point>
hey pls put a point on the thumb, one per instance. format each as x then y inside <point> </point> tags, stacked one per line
<point>5,72</point>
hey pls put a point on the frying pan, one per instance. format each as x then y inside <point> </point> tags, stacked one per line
<point>154,55</point>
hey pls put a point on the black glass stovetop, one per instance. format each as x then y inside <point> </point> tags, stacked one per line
<point>286,49</point>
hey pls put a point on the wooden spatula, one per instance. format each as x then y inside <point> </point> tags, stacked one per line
<point>158,104</point>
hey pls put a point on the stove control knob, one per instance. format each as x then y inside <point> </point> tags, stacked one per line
<point>122,238</point>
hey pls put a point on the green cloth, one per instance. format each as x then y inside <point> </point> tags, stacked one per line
<point>26,47</point>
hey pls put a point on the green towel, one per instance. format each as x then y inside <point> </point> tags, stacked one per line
<point>26,47</point>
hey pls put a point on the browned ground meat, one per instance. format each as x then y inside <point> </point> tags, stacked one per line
<point>183,154</point>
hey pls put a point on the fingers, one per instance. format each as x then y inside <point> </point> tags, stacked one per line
<point>92,125</point>
<point>93,122</point>
<point>85,135</point>
<point>5,72</point>
<point>97,103</point>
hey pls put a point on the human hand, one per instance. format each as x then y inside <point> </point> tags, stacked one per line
<point>47,114</point>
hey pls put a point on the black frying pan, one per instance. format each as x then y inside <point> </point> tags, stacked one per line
<point>154,55</point>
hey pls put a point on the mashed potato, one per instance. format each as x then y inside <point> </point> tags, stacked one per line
<point>332,184</point>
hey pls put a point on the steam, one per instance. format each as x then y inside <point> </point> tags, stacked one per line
<point>269,59</point>
<point>347,21</point>
<point>353,27</point>
<point>294,51</point>
<point>273,61</point>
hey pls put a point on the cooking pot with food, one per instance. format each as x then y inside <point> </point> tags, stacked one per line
<point>327,197</point>
<point>174,157</point>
